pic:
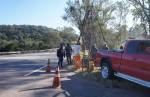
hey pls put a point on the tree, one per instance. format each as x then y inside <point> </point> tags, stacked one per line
<point>78,13</point>
<point>91,18</point>
<point>104,11</point>
<point>68,34</point>
<point>99,21</point>
<point>136,32</point>
<point>142,11</point>
<point>30,37</point>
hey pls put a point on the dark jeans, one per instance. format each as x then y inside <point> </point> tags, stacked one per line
<point>60,61</point>
<point>69,60</point>
<point>94,58</point>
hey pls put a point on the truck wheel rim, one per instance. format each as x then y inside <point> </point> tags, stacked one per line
<point>104,72</point>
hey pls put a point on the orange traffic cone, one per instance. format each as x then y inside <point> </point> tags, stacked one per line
<point>56,81</point>
<point>48,69</point>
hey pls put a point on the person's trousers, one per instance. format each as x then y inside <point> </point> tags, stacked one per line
<point>69,60</point>
<point>60,61</point>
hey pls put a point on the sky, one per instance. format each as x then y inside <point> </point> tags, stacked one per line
<point>33,12</point>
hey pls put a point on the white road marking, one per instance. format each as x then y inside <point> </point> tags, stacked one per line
<point>35,70</point>
<point>67,93</point>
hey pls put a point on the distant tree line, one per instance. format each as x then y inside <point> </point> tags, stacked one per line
<point>30,37</point>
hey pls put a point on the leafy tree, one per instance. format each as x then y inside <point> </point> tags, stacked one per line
<point>141,12</point>
<point>136,32</point>
<point>91,17</point>
<point>30,37</point>
<point>67,34</point>
<point>79,12</point>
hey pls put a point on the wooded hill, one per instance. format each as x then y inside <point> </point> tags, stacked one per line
<point>30,37</point>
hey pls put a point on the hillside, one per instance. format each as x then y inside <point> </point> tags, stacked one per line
<point>30,37</point>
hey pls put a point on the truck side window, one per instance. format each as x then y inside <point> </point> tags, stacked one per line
<point>132,47</point>
<point>142,46</point>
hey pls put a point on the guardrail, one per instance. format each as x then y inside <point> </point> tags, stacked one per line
<point>31,51</point>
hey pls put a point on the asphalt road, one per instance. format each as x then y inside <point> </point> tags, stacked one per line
<point>24,75</point>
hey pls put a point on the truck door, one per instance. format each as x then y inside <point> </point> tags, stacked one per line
<point>142,61</point>
<point>135,61</point>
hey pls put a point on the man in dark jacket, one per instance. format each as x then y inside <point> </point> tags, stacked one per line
<point>60,55</point>
<point>68,51</point>
<point>93,52</point>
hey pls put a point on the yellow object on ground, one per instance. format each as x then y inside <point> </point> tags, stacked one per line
<point>91,64</point>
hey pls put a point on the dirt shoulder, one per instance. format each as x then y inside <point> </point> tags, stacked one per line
<point>116,83</point>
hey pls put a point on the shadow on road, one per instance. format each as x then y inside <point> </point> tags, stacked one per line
<point>40,88</point>
<point>72,85</point>
<point>78,87</point>
<point>12,72</point>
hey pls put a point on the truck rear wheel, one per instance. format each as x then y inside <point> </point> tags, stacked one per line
<point>106,70</point>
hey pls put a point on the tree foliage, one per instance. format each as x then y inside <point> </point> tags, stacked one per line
<point>30,37</point>
<point>91,18</point>
<point>141,12</point>
<point>94,17</point>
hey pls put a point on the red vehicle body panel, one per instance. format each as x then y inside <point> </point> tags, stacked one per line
<point>136,65</point>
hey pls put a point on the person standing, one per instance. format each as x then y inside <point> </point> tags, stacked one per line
<point>105,47</point>
<point>60,55</point>
<point>68,51</point>
<point>93,52</point>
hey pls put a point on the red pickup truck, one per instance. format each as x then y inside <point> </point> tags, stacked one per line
<point>132,62</point>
